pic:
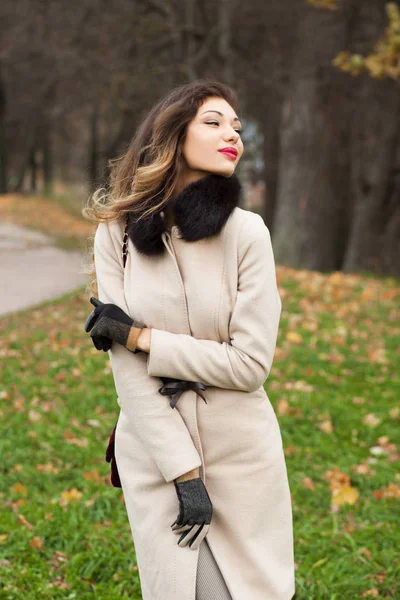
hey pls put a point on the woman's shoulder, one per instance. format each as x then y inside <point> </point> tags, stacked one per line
<point>112,229</point>
<point>247,223</point>
<point>109,235</point>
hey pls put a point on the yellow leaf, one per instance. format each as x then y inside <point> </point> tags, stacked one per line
<point>48,468</point>
<point>18,488</point>
<point>3,538</point>
<point>72,495</point>
<point>319,562</point>
<point>325,426</point>
<point>293,337</point>
<point>283,407</point>
<point>345,495</point>
<point>93,475</point>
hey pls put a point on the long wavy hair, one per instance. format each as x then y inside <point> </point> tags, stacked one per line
<point>151,165</point>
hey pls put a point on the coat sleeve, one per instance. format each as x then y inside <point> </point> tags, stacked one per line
<point>161,429</point>
<point>244,363</point>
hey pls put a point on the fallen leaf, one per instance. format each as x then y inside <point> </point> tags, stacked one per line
<point>392,491</point>
<point>308,483</point>
<point>325,426</point>
<point>72,495</point>
<point>373,593</point>
<point>48,468</point>
<point>93,475</point>
<point>371,420</point>
<point>377,450</point>
<point>18,488</point>
<point>36,542</point>
<point>24,522</point>
<point>34,416</point>
<point>294,337</point>
<point>364,552</point>
<point>345,495</point>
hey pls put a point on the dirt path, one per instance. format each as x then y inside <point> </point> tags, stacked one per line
<point>33,270</point>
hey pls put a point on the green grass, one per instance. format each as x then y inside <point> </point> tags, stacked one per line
<point>58,407</point>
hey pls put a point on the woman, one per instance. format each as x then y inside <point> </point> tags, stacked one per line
<point>197,302</point>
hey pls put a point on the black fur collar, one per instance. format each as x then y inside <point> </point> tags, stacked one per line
<point>201,210</point>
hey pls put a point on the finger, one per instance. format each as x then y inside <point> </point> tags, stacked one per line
<point>196,541</point>
<point>95,301</point>
<point>178,523</point>
<point>187,536</point>
<point>177,529</point>
<point>90,321</point>
<point>107,344</point>
<point>104,342</point>
<point>97,342</point>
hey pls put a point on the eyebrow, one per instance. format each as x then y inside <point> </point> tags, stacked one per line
<point>220,113</point>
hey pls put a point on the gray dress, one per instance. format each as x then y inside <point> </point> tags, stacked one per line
<point>210,584</point>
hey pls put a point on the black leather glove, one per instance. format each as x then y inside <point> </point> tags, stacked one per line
<point>108,323</point>
<point>195,512</point>
<point>101,342</point>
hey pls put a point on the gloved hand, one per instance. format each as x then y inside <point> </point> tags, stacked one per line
<point>195,512</point>
<point>102,342</point>
<point>108,323</point>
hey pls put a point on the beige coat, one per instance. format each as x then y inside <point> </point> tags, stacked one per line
<point>214,309</point>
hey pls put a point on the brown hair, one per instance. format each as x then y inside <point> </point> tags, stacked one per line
<point>151,164</point>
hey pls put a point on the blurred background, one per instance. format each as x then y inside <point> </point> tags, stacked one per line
<point>318,84</point>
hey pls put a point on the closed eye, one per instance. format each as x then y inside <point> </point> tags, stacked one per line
<point>240,131</point>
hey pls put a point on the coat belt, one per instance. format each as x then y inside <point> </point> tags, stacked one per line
<point>176,388</point>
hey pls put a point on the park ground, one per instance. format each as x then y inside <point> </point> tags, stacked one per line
<point>335,388</point>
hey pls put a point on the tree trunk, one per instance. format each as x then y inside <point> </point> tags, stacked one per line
<point>93,148</point>
<point>375,155</point>
<point>3,138</point>
<point>33,171</point>
<point>271,153</point>
<point>310,226</point>
<point>47,160</point>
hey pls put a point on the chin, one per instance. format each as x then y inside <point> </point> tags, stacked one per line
<point>224,172</point>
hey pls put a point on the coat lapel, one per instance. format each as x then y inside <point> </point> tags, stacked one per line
<point>201,210</point>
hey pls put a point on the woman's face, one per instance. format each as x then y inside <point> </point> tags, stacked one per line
<point>214,128</point>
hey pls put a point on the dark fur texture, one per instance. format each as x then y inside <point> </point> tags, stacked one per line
<point>201,210</point>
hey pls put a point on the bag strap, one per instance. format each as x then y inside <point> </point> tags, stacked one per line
<point>125,243</point>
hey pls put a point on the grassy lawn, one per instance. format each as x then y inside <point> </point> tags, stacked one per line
<point>335,387</point>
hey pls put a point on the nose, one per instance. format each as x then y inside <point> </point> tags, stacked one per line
<point>232,135</point>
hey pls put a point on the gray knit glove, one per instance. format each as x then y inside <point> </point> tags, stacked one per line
<point>195,512</point>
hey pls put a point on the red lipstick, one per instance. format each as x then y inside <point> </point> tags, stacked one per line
<point>229,152</point>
